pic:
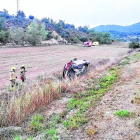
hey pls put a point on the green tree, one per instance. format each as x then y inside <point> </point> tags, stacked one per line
<point>17,35</point>
<point>44,33</point>
<point>33,33</point>
<point>4,36</point>
<point>2,23</point>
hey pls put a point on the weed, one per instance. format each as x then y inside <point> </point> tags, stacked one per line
<point>137,123</point>
<point>30,138</point>
<point>35,125</point>
<point>132,114</point>
<point>122,113</point>
<point>75,121</point>
<point>137,99</point>
<point>91,132</point>
<point>57,119</point>
<point>17,138</point>
<point>38,118</point>
<point>51,133</point>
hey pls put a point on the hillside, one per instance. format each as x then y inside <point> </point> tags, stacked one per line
<point>21,30</point>
<point>134,28</point>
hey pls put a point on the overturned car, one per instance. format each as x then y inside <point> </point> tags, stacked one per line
<point>75,68</point>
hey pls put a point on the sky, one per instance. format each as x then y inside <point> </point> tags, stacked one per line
<point>79,12</point>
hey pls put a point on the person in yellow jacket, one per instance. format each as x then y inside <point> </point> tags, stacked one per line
<point>13,76</point>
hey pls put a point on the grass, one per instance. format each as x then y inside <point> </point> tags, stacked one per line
<point>122,113</point>
<point>83,101</point>
<point>36,123</point>
<point>52,134</point>
<point>18,138</point>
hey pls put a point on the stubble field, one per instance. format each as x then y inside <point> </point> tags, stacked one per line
<point>51,59</point>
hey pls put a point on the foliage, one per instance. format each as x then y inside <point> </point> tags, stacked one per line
<point>51,133</point>
<point>122,113</point>
<point>33,33</point>
<point>21,14</point>
<point>4,36</point>
<point>92,96</point>
<point>17,138</point>
<point>83,29</point>
<point>74,40</point>
<point>75,121</point>
<point>83,39</point>
<point>17,35</point>
<point>38,118</point>
<point>134,45</point>
<point>44,33</point>
<point>35,124</point>
<point>2,23</point>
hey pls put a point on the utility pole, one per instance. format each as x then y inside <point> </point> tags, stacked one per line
<point>17,4</point>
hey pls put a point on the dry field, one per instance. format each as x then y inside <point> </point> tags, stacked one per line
<point>48,60</point>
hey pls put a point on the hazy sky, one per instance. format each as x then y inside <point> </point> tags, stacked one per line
<point>79,12</point>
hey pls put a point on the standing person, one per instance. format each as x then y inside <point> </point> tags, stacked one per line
<point>13,76</point>
<point>23,73</point>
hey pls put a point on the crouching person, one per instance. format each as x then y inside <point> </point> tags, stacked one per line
<point>13,77</point>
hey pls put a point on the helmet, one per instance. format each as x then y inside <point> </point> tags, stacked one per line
<point>22,66</point>
<point>13,68</point>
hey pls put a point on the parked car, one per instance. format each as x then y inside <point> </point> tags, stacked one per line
<point>75,68</point>
<point>95,43</point>
<point>88,44</point>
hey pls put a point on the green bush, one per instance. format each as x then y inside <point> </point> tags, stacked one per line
<point>83,39</point>
<point>4,36</point>
<point>44,33</point>
<point>2,23</point>
<point>33,33</point>
<point>122,113</point>
<point>74,40</point>
<point>17,35</point>
<point>134,45</point>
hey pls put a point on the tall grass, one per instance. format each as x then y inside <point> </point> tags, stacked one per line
<point>29,102</point>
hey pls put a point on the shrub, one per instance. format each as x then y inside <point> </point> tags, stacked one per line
<point>17,35</point>
<point>4,36</point>
<point>83,39</point>
<point>33,33</point>
<point>134,45</point>
<point>122,113</point>
<point>2,23</point>
<point>74,40</point>
<point>44,33</point>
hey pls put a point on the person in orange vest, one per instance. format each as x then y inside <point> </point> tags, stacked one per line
<point>13,76</point>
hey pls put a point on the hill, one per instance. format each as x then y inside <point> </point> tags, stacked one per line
<point>19,29</point>
<point>134,28</point>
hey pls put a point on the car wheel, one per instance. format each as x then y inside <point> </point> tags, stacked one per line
<point>85,69</point>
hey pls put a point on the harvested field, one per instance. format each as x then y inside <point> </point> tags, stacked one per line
<point>51,59</point>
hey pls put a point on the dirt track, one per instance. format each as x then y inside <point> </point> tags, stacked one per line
<point>48,60</point>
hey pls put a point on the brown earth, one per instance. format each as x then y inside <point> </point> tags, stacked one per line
<point>51,59</point>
